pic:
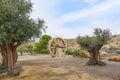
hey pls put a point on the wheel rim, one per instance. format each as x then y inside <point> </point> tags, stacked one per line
<point>57,43</point>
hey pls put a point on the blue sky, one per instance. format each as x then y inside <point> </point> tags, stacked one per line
<point>70,18</point>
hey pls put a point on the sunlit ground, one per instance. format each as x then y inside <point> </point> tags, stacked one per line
<point>44,67</point>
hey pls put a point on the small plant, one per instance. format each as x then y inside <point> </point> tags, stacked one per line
<point>10,72</point>
<point>83,54</point>
<point>2,67</point>
<point>76,53</point>
<point>69,52</point>
<point>79,53</point>
<point>114,58</point>
<point>30,49</point>
<point>21,50</point>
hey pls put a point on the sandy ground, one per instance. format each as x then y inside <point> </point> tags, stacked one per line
<point>43,67</point>
<point>28,57</point>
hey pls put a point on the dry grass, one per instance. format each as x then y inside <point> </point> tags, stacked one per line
<point>48,73</point>
<point>114,58</point>
<point>65,69</point>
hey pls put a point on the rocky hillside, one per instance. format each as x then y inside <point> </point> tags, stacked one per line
<point>113,44</point>
<point>72,44</point>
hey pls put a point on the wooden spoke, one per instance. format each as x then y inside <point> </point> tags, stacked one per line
<point>57,46</point>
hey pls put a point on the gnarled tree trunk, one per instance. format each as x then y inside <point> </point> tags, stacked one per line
<point>93,54</point>
<point>94,57</point>
<point>9,54</point>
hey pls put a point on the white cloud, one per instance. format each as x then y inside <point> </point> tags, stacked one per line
<point>44,8</point>
<point>95,16</point>
<point>96,9</point>
<point>91,2</point>
<point>92,16</point>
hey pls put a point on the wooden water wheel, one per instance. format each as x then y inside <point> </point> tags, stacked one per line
<point>57,47</point>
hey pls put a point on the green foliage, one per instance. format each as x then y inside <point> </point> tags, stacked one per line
<point>69,52</point>
<point>102,35</point>
<point>99,39</point>
<point>94,43</point>
<point>30,49</point>
<point>42,45</point>
<point>87,42</point>
<point>21,50</point>
<point>77,53</point>
<point>10,72</point>
<point>15,23</point>
<point>83,54</point>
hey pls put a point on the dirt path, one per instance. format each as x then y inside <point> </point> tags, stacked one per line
<point>65,69</point>
<point>110,71</point>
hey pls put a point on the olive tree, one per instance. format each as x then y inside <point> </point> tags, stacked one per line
<point>94,43</point>
<point>16,27</point>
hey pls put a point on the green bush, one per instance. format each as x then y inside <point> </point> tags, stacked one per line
<point>69,52</point>
<point>21,50</point>
<point>83,54</point>
<point>10,72</point>
<point>77,53</point>
<point>30,49</point>
<point>42,45</point>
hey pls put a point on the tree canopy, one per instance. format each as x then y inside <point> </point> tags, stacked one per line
<point>15,23</point>
<point>16,26</point>
<point>99,38</point>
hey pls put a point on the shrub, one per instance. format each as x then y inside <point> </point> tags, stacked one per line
<point>69,52</point>
<point>30,49</point>
<point>77,53</point>
<point>118,58</point>
<point>21,50</point>
<point>10,72</point>
<point>114,58</point>
<point>42,45</point>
